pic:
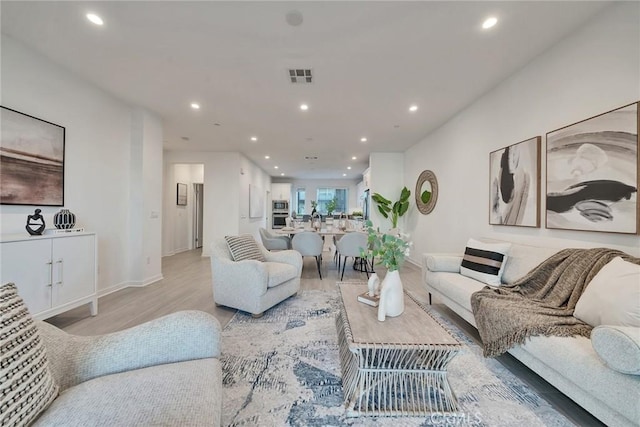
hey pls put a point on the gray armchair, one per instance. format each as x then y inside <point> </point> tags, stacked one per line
<point>137,376</point>
<point>273,242</point>
<point>250,285</point>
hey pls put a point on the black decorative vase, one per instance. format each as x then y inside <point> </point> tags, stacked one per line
<point>64,219</point>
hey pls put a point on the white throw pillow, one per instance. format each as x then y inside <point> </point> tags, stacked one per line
<point>485,261</point>
<point>612,297</point>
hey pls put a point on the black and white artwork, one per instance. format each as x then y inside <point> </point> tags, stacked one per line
<point>31,160</point>
<point>514,173</point>
<point>181,194</point>
<point>592,173</point>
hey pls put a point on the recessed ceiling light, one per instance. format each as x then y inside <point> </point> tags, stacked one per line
<point>349,167</point>
<point>413,108</point>
<point>489,22</point>
<point>195,106</point>
<point>354,158</point>
<point>282,174</point>
<point>344,174</point>
<point>304,107</point>
<point>267,157</point>
<point>363,139</point>
<point>275,167</point>
<point>254,138</point>
<point>95,18</point>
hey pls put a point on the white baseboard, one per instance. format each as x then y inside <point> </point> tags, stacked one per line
<point>112,289</point>
<point>134,284</point>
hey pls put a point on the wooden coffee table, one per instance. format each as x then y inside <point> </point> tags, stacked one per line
<point>397,367</point>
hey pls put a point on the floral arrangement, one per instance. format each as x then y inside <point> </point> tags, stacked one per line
<point>389,250</point>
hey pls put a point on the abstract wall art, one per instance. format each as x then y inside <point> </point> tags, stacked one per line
<point>181,194</point>
<point>592,173</point>
<point>514,173</point>
<point>31,160</point>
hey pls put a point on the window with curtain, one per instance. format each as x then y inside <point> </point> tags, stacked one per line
<point>324,195</point>
<point>300,201</point>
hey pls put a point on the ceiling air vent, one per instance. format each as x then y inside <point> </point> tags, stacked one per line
<point>311,157</point>
<point>300,75</point>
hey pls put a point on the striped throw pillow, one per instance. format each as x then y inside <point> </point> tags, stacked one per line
<point>27,385</point>
<point>244,247</point>
<point>485,261</point>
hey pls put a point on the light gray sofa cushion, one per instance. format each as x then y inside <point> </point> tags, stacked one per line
<point>456,286</point>
<point>185,394</point>
<point>618,347</point>
<point>279,273</point>
<point>522,259</point>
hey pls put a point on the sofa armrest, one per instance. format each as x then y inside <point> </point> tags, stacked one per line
<point>177,337</point>
<point>248,276</point>
<point>442,262</point>
<point>287,257</point>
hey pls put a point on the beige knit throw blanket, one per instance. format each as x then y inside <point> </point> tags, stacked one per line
<point>541,302</point>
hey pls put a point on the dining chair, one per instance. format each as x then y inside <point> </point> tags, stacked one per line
<point>349,246</point>
<point>273,242</point>
<point>309,243</point>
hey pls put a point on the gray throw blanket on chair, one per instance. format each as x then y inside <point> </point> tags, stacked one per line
<point>541,302</point>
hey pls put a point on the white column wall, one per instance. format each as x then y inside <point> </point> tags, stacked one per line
<point>594,70</point>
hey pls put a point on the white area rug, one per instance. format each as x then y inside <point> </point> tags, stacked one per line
<point>283,369</point>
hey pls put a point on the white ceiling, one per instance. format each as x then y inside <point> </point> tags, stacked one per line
<point>371,60</point>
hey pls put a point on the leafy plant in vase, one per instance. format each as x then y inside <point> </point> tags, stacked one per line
<point>314,206</point>
<point>390,252</point>
<point>395,210</point>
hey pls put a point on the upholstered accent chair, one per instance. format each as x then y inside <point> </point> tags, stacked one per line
<point>349,246</point>
<point>309,243</point>
<point>138,376</point>
<point>251,285</point>
<point>274,242</point>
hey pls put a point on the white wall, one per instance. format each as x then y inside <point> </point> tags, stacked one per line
<point>259,180</point>
<point>98,158</point>
<point>221,194</point>
<point>594,70</point>
<point>311,190</point>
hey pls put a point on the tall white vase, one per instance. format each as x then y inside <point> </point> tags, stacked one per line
<point>391,296</point>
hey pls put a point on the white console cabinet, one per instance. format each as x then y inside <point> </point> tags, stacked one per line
<point>53,273</point>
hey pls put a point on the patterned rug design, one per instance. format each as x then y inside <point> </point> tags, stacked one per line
<point>283,369</point>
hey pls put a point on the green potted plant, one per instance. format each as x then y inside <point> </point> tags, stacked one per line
<point>331,206</point>
<point>314,205</point>
<point>395,210</point>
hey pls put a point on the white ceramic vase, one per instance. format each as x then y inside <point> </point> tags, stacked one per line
<point>391,296</point>
<point>373,285</point>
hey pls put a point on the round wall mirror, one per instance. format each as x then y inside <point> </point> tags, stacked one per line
<point>426,192</point>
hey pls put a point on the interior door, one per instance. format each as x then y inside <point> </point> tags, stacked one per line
<point>198,214</point>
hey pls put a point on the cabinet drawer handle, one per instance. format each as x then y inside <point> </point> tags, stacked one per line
<point>60,272</point>
<point>50,264</point>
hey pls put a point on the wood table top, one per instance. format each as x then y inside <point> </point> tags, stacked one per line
<point>414,326</point>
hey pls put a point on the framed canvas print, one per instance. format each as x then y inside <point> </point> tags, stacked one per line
<point>181,199</point>
<point>592,173</point>
<point>514,174</point>
<point>256,202</point>
<point>31,160</point>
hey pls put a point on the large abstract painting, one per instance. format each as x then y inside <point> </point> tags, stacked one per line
<point>31,160</point>
<point>592,173</point>
<point>514,173</point>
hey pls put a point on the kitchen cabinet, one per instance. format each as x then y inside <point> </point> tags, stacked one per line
<point>281,191</point>
<point>53,273</point>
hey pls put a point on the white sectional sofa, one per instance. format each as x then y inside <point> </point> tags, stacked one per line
<point>570,364</point>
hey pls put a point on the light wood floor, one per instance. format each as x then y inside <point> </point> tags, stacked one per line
<point>187,286</point>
